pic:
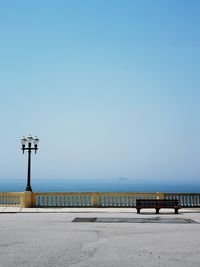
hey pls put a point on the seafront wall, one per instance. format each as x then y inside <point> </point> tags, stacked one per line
<point>91,199</point>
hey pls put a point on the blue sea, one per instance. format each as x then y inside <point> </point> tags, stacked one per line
<point>109,185</point>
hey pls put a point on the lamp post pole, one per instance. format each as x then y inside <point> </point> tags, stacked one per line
<point>29,141</point>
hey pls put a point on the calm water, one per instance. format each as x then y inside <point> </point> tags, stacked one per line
<point>115,185</point>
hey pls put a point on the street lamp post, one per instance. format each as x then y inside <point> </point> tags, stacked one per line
<point>29,141</point>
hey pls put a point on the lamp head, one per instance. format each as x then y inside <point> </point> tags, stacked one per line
<point>36,140</point>
<point>23,140</point>
<point>29,139</point>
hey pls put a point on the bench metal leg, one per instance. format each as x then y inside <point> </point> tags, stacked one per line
<point>138,211</point>
<point>157,211</point>
<point>175,211</point>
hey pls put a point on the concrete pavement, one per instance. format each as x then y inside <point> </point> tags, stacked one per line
<point>48,237</point>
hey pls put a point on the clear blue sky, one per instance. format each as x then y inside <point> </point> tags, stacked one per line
<point>111,88</point>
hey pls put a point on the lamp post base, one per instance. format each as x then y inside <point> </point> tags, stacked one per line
<point>28,188</point>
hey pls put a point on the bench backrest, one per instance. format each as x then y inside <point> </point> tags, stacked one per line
<point>156,202</point>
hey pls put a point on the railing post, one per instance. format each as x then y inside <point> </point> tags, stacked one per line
<point>26,199</point>
<point>33,200</point>
<point>95,202</point>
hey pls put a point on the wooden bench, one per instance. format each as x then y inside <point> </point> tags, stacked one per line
<point>157,204</point>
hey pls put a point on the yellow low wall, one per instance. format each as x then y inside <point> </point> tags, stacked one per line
<point>90,199</point>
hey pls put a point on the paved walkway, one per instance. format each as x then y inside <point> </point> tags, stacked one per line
<point>119,237</point>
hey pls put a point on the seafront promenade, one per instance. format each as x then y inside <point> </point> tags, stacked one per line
<point>99,237</point>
